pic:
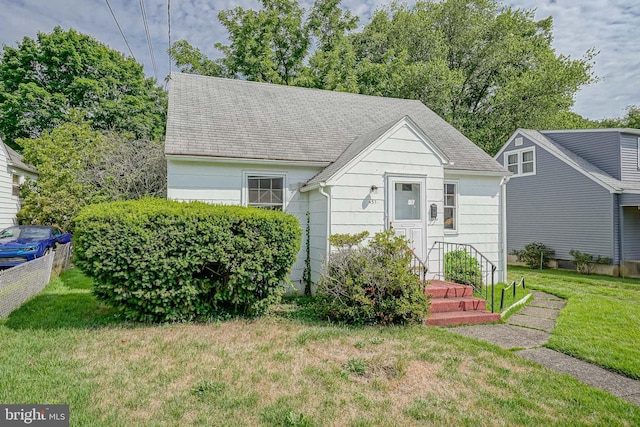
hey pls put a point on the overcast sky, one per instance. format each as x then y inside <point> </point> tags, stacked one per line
<point>610,26</point>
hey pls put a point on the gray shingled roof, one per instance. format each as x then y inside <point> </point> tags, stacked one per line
<point>572,158</point>
<point>352,151</point>
<point>16,160</point>
<point>215,117</point>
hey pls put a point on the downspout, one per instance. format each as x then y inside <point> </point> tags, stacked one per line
<point>621,239</point>
<point>328,196</point>
<point>503,193</point>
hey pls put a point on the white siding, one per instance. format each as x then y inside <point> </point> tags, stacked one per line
<point>318,234</point>
<point>223,183</point>
<point>355,209</point>
<point>9,204</point>
<point>479,201</point>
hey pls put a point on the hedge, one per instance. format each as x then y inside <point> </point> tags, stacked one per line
<point>158,260</point>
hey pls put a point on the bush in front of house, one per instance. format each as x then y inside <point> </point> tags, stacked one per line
<point>370,284</point>
<point>535,254</point>
<point>585,263</point>
<point>461,267</point>
<point>161,261</point>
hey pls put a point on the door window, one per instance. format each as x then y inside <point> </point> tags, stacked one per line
<point>407,201</point>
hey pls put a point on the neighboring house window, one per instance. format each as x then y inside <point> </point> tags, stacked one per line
<point>450,206</point>
<point>512,163</point>
<point>16,185</point>
<point>521,162</point>
<point>265,192</point>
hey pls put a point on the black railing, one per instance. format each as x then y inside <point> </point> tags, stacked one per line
<point>462,263</point>
<point>511,286</point>
<point>418,267</point>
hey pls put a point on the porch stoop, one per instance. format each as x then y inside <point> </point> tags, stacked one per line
<point>454,304</point>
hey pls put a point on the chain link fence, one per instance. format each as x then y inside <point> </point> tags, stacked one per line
<point>19,283</point>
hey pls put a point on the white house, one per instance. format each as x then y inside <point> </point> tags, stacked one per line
<point>13,172</point>
<point>353,162</point>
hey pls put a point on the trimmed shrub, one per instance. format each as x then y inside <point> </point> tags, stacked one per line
<point>158,260</point>
<point>535,254</point>
<point>460,267</point>
<point>585,263</point>
<point>371,284</point>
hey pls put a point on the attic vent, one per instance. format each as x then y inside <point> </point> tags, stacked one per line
<point>518,141</point>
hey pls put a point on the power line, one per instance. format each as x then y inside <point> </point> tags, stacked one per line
<point>146,30</point>
<point>121,32</point>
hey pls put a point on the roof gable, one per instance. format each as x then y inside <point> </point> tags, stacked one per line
<point>573,160</point>
<point>365,144</point>
<point>15,160</point>
<point>226,118</point>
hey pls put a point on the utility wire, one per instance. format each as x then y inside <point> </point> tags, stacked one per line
<point>121,32</point>
<point>146,30</point>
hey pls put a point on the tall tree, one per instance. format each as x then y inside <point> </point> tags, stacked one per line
<point>268,45</point>
<point>484,68</point>
<point>190,59</point>
<point>78,166</point>
<point>630,120</point>
<point>332,64</point>
<point>43,79</point>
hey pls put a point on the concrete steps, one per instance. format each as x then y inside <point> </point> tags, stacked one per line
<point>454,304</point>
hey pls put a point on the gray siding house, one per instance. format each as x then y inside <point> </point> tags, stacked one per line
<point>575,189</point>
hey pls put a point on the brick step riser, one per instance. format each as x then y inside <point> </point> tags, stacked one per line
<point>462,320</point>
<point>462,291</point>
<point>439,305</point>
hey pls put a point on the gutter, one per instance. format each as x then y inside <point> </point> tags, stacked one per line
<point>321,187</point>
<point>503,193</point>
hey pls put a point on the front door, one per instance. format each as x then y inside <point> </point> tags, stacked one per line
<point>406,209</point>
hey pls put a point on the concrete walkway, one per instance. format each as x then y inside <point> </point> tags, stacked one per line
<point>528,330</point>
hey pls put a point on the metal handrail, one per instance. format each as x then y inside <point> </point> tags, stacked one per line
<point>418,267</point>
<point>473,269</point>
<point>514,286</point>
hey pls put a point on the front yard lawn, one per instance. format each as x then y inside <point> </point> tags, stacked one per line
<point>601,322</point>
<point>281,369</point>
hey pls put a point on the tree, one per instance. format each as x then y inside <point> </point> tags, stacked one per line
<point>60,156</point>
<point>630,120</point>
<point>487,70</point>
<point>79,166</point>
<point>332,63</point>
<point>124,169</point>
<point>191,60</point>
<point>43,79</point>
<point>484,68</point>
<point>268,45</point>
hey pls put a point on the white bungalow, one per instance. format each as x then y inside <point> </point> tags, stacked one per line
<point>353,162</point>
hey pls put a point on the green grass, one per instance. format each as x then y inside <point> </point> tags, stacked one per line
<point>509,298</point>
<point>282,369</point>
<point>601,322</point>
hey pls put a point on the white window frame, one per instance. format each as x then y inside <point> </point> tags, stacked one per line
<point>266,174</point>
<point>15,184</point>
<point>519,153</point>
<point>456,207</point>
<point>639,152</point>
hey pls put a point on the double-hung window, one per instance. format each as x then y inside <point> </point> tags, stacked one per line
<point>450,206</point>
<point>265,191</point>
<point>521,162</point>
<point>16,185</point>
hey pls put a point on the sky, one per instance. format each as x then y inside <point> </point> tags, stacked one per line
<point>610,27</point>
